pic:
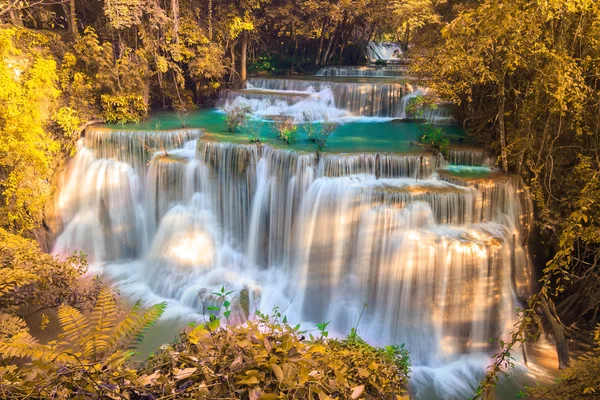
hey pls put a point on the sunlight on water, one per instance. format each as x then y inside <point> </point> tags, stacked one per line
<point>432,246</point>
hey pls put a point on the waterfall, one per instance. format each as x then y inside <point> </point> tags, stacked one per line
<point>361,72</point>
<point>372,99</point>
<point>386,51</point>
<point>437,258</point>
<point>268,97</point>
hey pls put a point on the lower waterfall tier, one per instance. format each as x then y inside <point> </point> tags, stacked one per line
<point>431,254</point>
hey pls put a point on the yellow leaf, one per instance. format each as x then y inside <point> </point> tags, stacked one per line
<point>251,380</point>
<point>277,371</point>
<point>323,396</point>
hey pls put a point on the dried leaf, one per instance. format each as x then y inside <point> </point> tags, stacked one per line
<point>183,373</point>
<point>147,379</point>
<point>357,392</point>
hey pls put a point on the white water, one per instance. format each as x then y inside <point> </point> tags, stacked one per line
<point>431,257</point>
<point>378,72</point>
<point>268,97</point>
<point>386,51</point>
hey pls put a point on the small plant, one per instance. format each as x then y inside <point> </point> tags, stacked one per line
<point>254,133</point>
<point>318,133</point>
<point>286,128</point>
<point>381,63</point>
<point>309,126</point>
<point>214,319</point>
<point>237,116</point>
<point>400,355</point>
<point>416,106</point>
<point>322,328</point>
<point>326,129</point>
<point>435,138</point>
<point>263,64</point>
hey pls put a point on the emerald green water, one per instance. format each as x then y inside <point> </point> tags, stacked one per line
<point>353,136</point>
<point>470,172</point>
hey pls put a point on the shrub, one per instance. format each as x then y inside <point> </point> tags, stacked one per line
<point>237,116</point>
<point>309,126</point>
<point>416,106</point>
<point>124,109</point>
<point>254,133</point>
<point>286,128</point>
<point>318,132</point>
<point>326,129</point>
<point>32,278</point>
<point>435,138</point>
<point>262,64</point>
<point>269,359</point>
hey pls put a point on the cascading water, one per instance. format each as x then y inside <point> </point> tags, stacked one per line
<point>436,255</point>
<point>361,72</point>
<point>387,51</point>
<point>269,97</point>
<point>335,99</point>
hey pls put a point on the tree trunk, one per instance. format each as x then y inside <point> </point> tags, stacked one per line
<point>501,125</point>
<point>232,55</point>
<point>175,9</point>
<point>243,58</point>
<point>327,49</point>
<point>210,16</point>
<point>562,348</point>
<point>73,20</point>
<point>320,49</point>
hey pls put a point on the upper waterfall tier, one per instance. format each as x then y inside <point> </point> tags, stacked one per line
<point>385,51</point>
<point>373,99</point>
<point>335,98</point>
<point>377,72</point>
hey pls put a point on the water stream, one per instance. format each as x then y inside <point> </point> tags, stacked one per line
<point>432,246</point>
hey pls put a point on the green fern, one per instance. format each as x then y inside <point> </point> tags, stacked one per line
<point>102,324</point>
<point>130,332</point>
<point>96,338</point>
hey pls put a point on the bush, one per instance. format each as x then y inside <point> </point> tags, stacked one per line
<point>254,133</point>
<point>286,128</point>
<point>435,138</point>
<point>318,132</point>
<point>263,64</point>
<point>32,278</point>
<point>417,105</point>
<point>269,359</point>
<point>236,116</point>
<point>124,109</point>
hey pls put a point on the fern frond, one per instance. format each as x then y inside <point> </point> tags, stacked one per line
<point>25,346</point>
<point>102,323</point>
<point>10,326</point>
<point>74,325</point>
<point>130,331</point>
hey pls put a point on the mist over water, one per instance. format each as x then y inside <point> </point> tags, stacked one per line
<point>171,216</point>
